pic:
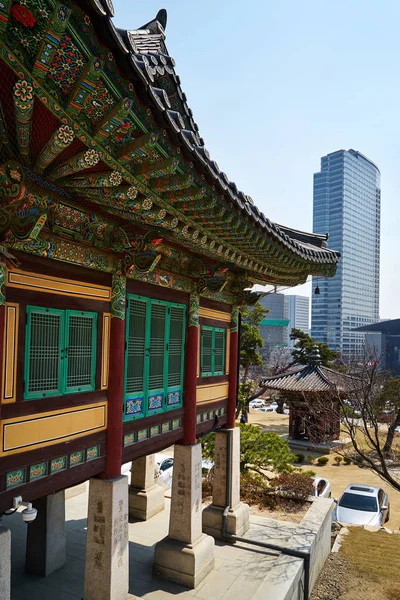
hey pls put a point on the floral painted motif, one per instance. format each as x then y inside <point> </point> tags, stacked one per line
<point>134,407</point>
<point>62,13</point>
<point>58,464</point>
<point>176,423</point>
<point>65,134</point>
<point>15,478</point>
<point>23,90</point>
<point>174,222</point>
<point>115,178</point>
<point>165,427</point>
<point>37,471</point>
<point>162,213</point>
<point>143,434</point>
<point>23,15</point>
<point>173,398</point>
<point>132,193</point>
<point>155,401</point>
<point>118,300</point>
<point>195,234</point>
<point>194,310</point>
<point>91,157</point>
<point>147,204</point>
<point>92,453</point>
<point>155,430</point>
<point>185,231</point>
<point>235,320</point>
<point>76,459</point>
<point>129,439</point>
<point>67,65</point>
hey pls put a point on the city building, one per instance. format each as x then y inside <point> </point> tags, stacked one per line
<point>298,309</point>
<point>347,199</point>
<point>382,341</point>
<point>274,327</point>
<point>125,254</point>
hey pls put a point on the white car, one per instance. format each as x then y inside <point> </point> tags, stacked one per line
<point>362,504</point>
<point>164,469</point>
<point>257,404</point>
<point>265,409</point>
<point>322,487</point>
<point>274,405</point>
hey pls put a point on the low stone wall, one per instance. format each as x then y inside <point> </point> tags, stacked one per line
<point>286,579</point>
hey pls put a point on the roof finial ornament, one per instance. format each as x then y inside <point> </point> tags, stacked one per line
<point>162,18</point>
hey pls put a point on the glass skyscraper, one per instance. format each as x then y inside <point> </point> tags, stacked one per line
<point>347,206</point>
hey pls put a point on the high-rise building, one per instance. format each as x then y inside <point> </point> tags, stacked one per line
<point>298,314</point>
<point>347,206</point>
<point>274,328</point>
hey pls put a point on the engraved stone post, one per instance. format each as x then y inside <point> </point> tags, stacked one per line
<point>186,555</point>
<point>238,516</point>
<point>107,568</point>
<point>5,563</point>
<point>146,499</point>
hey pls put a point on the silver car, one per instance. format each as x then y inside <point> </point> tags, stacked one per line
<point>362,505</point>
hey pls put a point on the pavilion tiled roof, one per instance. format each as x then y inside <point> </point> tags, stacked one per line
<point>310,379</point>
<point>143,52</point>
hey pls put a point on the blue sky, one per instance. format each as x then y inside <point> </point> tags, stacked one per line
<point>276,85</point>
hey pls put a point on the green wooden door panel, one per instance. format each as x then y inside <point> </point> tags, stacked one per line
<point>207,357</point>
<point>80,351</point>
<point>135,357</point>
<point>157,356</point>
<point>176,350</point>
<point>43,352</point>
<point>219,351</point>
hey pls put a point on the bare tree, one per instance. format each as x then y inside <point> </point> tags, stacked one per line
<point>370,413</point>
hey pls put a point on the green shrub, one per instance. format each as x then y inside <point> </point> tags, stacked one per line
<point>347,460</point>
<point>310,473</point>
<point>322,461</point>
<point>299,458</point>
<point>338,460</point>
<point>311,460</point>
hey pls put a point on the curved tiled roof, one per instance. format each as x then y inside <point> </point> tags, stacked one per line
<point>310,379</point>
<point>143,56</point>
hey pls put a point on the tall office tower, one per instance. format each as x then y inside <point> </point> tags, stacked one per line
<point>274,328</point>
<point>347,205</point>
<point>298,314</point>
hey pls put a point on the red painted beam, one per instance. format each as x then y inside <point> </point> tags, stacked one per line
<point>233,379</point>
<point>190,386</point>
<point>2,332</point>
<point>115,399</point>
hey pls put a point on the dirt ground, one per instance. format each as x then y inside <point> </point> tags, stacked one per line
<point>340,477</point>
<point>366,568</point>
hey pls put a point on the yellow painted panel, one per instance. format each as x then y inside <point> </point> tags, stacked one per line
<point>216,391</point>
<point>228,348</point>
<point>31,432</point>
<point>209,313</point>
<point>54,285</point>
<point>10,353</point>
<point>105,353</point>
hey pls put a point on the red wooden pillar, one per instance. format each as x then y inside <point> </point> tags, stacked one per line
<point>2,324</point>
<point>116,379</point>
<point>233,368</point>
<point>190,384</point>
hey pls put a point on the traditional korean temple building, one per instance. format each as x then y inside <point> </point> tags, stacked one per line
<point>125,254</point>
<point>312,392</point>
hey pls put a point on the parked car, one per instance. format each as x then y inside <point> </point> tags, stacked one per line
<point>322,487</point>
<point>274,405</point>
<point>265,409</point>
<point>164,469</point>
<point>362,505</point>
<point>257,404</point>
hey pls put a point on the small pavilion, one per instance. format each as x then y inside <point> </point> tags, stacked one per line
<point>313,393</point>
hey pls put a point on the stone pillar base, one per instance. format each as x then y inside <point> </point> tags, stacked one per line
<point>107,568</point>
<point>187,564</point>
<point>238,520</point>
<point>5,563</point>
<point>144,504</point>
<point>46,542</point>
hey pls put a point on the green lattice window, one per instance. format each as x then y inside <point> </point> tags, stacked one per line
<point>154,361</point>
<point>212,357</point>
<point>60,352</point>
